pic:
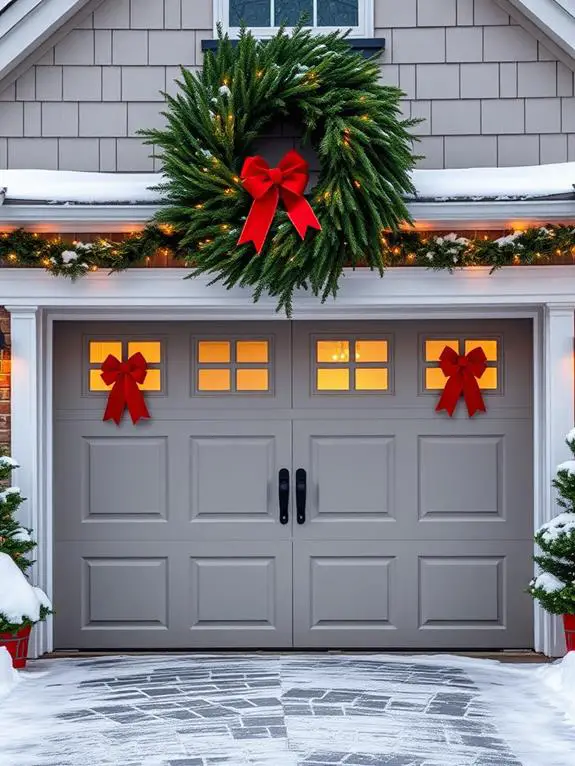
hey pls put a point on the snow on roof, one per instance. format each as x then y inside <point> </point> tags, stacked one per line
<point>61,186</point>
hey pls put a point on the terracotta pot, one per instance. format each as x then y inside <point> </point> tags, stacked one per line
<point>17,645</point>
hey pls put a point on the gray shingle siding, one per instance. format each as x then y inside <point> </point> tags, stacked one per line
<point>488,91</point>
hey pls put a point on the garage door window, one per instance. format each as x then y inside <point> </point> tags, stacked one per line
<point>433,377</point>
<point>351,364</point>
<point>151,350</point>
<point>233,366</point>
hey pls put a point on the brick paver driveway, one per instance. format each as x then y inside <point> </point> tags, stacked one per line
<point>277,710</point>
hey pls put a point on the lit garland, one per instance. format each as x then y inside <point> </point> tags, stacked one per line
<point>538,245</point>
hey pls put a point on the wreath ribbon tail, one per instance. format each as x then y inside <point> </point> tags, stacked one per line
<point>300,213</point>
<point>260,219</point>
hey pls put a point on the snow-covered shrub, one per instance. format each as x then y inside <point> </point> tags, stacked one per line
<point>21,604</point>
<point>554,587</point>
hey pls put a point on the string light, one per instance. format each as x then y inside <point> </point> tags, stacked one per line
<point>166,228</point>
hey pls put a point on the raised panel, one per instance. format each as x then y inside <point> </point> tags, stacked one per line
<point>350,591</point>
<point>353,475</point>
<point>461,477</point>
<point>230,476</point>
<point>125,478</point>
<point>459,591</point>
<point>232,593</point>
<point>124,593</point>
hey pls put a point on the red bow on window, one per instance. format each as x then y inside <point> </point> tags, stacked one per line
<point>267,185</point>
<point>462,372</point>
<point>125,377</point>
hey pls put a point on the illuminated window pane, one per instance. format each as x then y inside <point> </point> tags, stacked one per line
<point>214,351</point>
<point>214,380</point>
<point>335,379</point>
<point>252,351</point>
<point>488,381</point>
<point>153,381</point>
<point>434,378</point>
<point>433,348</point>
<point>96,382</point>
<point>371,351</point>
<point>252,380</point>
<point>149,349</point>
<point>99,350</point>
<point>371,379</point>
<point>489,348</point>
<point>333,351</point>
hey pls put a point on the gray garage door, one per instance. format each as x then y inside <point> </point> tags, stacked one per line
<point>294,487</point>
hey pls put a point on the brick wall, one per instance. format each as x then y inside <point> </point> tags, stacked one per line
<point>5,384</point>
<point>489,92</point>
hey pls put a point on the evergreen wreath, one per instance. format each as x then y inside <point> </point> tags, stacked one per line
<point>352,122</point>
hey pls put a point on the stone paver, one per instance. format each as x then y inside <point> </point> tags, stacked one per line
<point>272,710</point>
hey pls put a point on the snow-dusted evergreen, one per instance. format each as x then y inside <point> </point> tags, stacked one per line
<point>21,603</point>
<point>554,587</point>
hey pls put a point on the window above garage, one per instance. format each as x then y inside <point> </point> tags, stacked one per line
<point>264,17</point>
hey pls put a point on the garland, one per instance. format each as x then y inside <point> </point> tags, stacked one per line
<point>532,246</point>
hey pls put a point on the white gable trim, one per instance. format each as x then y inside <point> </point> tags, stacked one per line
<point>550,21</point>
<point>26,24</point>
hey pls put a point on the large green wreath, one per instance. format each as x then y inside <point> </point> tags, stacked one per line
<point>351,120</point>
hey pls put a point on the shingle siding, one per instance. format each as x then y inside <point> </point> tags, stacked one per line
<point>488,91</point>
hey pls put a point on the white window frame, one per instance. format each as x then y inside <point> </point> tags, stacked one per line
<point>365,27</point>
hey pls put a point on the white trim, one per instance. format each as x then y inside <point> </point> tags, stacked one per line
<point>365,28</point>
<point>427,215</point>
<point>36,300</point>
<point>27,24</point>
<point>552,20</point>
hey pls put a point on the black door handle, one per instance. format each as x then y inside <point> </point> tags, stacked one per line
<point>300,494</point>
<point>283,493</point>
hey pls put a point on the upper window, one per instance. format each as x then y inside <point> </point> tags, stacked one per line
<point>264,17</point>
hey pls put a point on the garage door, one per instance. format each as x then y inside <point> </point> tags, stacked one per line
<point>294,487</point>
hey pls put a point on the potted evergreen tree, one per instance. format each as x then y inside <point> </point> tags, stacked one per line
<point>554,586</point>
<point>21,604</point>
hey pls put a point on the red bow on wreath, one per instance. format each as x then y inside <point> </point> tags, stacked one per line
<point>125,377</point>
<point>462,372</point>
<point>267,185</point>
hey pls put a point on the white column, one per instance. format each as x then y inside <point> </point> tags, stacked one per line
<point>26,434</point>
<point>558,419</point>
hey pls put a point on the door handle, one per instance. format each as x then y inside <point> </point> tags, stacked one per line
<point>300,494</point>
<point>283,494</point>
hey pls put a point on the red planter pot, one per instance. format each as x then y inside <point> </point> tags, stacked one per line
<point>17,645</point>
<point>569,624</point>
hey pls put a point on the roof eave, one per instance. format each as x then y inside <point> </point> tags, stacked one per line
<point>463,216</point>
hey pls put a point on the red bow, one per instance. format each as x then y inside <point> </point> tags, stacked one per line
<point>125,376</point>
<point>266,185</point>
<point>462,372</point>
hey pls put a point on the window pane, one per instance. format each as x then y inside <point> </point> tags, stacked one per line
<point>434,379</point>
<point>255,13</point>
<point>489,347</point>
<point>214,380</point>
<point>153,381</point>
<point>252,380</point>
<point>371,379</point>
<point>149,349</point>
<point>433,348</point>
<point>335,379</point>
<point>213,351</point>
<point>332,351</point>
<point>289,12</point>
<point>488,381</point>
<point>99,350</point>
<point>250,351</point>
<point>337,13</point>
<point>96,382</point>
<point>371,351</point>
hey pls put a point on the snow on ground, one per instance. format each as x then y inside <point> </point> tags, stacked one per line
<point>85,187</point>
<point>288,710</point>
<point>8,676</point>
